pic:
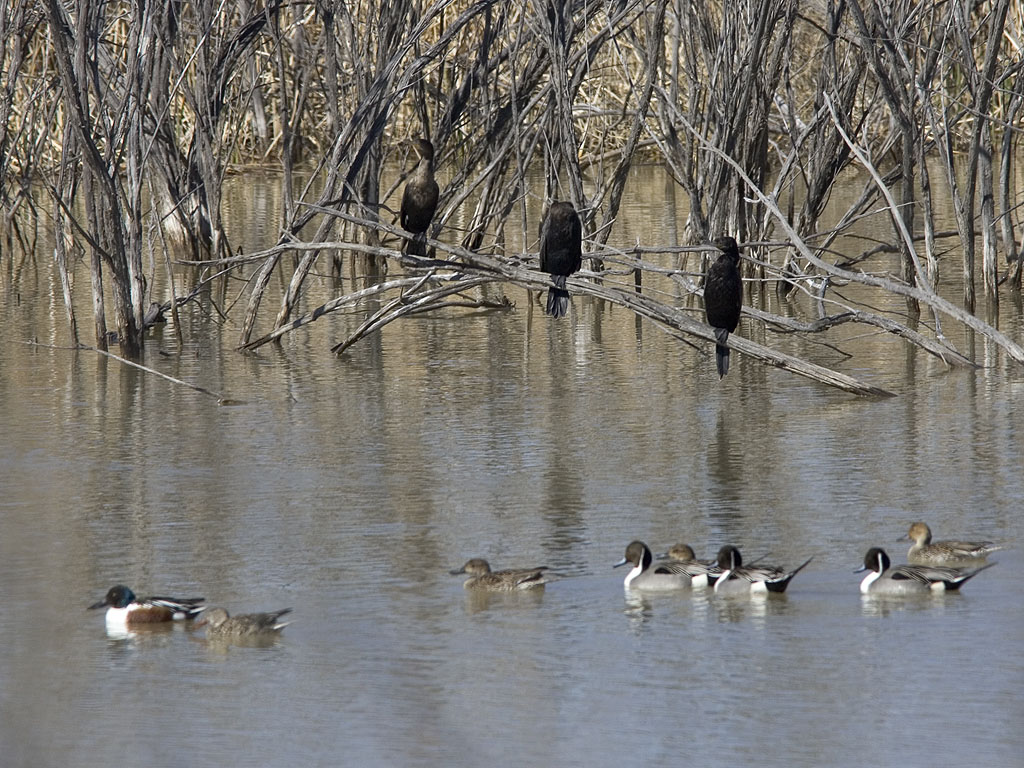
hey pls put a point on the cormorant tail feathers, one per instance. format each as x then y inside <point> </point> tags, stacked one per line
<point>558,301</point>
<point>722,352</point>
<point>722,359</point>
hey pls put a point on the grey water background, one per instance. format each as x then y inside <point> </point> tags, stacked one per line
<point>348,488</point>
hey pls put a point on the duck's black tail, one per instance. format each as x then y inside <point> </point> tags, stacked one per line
<point>781,584</point>
<point>417,246</point>
<point>722,352</point>
<point>959,582</point>
<point>558,297</point>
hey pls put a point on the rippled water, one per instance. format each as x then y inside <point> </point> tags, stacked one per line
<point>348,488</point>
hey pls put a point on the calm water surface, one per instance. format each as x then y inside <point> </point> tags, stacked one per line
<point>347,488</point>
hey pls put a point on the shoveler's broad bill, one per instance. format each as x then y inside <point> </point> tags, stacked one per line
<point>125,610</point>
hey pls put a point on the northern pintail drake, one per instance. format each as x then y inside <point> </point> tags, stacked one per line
<point>948,553</point>
<point>682,559</point>
<point>649,577</point>
<point>482,577</point>
<point>884,579</point>
<point>737,579</point>
<point>222,626</point>
<point>124,609</point>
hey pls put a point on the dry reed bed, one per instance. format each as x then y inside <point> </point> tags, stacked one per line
<point>130,116</point>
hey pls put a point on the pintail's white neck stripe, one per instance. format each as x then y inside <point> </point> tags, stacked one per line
<point>723,578</point>
<point>637,570</point>
<point>865,585</point>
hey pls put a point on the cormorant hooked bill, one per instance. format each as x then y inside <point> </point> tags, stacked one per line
<point>723,298</point>
<point>561,253</point>
<point>419,200</point>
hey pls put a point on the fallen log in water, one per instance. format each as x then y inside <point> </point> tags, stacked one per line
<point>470,270</point>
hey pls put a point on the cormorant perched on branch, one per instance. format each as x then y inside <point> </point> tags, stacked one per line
<point>723,298</point>
<point>561,253</point>
<point>419,200</point>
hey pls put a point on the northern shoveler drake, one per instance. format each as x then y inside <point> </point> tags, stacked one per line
<point>220,625</point>
<point>124,609</point>
<point>947,553</point>
<point>482,577</point>
<point>648,577</point>
<point>886,579</point>
<point>736,579</point>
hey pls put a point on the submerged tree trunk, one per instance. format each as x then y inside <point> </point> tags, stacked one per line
<point>108,237</point>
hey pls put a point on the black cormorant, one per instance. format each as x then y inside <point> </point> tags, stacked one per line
<point>723,298</point>
<point>561,252</point>
<point>419,200</point>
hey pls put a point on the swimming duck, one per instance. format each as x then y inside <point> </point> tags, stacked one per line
<point>737,579</point>
<point>647,577</point>
<point>222,626</point>
<point>884,579</point>
<point>924,551</point>
<point>482,577</point>
<point>124,609</point>
<point>682,559</point>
